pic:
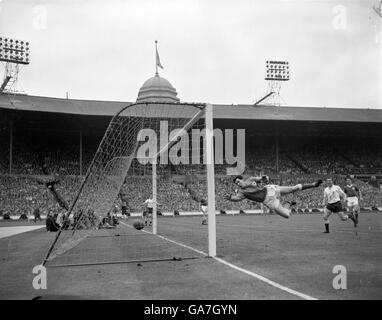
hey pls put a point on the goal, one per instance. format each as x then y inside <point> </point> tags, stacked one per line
<point>149,150</point>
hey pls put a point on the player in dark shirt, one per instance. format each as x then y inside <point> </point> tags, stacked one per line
<point>51,225</point>
<point>259,190</point>
<point>37,215</point>
<point>353,195</point>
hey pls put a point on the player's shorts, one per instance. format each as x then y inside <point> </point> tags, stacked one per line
<point>334,207</point>
<point>150,210</point>
<point>272,199</point>
<point>352,201</point>
<point>203,209</point>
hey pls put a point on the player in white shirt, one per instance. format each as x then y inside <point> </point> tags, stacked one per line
<point>148,212</point>
<point>333,195</point>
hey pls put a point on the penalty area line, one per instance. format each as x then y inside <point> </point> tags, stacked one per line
<point>228,264</point>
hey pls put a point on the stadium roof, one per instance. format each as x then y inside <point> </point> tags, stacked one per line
<point>109,108</point>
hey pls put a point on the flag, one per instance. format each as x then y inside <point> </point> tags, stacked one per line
<point>158,60</point>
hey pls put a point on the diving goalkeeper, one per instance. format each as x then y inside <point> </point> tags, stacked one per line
<point>259,190</point>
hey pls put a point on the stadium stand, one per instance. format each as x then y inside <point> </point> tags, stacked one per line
<point>24,194</point>
<point>291,144</point>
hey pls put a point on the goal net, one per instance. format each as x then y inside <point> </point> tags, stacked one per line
<point>150,155</point>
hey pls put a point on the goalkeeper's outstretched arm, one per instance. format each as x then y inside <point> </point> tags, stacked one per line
<point>235,197</point>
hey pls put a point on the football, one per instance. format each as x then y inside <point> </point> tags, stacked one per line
<point>139,225</point>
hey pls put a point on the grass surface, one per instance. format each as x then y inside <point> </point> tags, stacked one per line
<point>294,253</point>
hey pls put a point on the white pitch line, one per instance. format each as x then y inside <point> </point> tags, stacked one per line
<point>11,231</point>
<point>183,245</point>
<point>250,273</point>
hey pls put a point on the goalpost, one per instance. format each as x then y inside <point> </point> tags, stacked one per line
<point>210,181</point>
<point>118,168</point>
<point>208,112</point>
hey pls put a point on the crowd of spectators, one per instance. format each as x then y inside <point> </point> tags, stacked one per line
<point>23,195</point>
<point>313,157</point>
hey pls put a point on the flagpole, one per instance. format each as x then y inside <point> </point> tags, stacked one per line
<point>156,58</point>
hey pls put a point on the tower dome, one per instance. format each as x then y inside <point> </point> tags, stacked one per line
<point>157,89</point>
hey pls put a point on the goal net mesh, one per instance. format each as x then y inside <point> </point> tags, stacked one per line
<point>98,227</point>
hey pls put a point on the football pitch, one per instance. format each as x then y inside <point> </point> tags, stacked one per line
<point>258,257</point>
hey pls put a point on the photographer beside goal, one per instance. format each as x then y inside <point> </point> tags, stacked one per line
<point>259,189</point>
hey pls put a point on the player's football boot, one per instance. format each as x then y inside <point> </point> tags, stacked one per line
<point>353,218</point>
<point>291,203</point>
